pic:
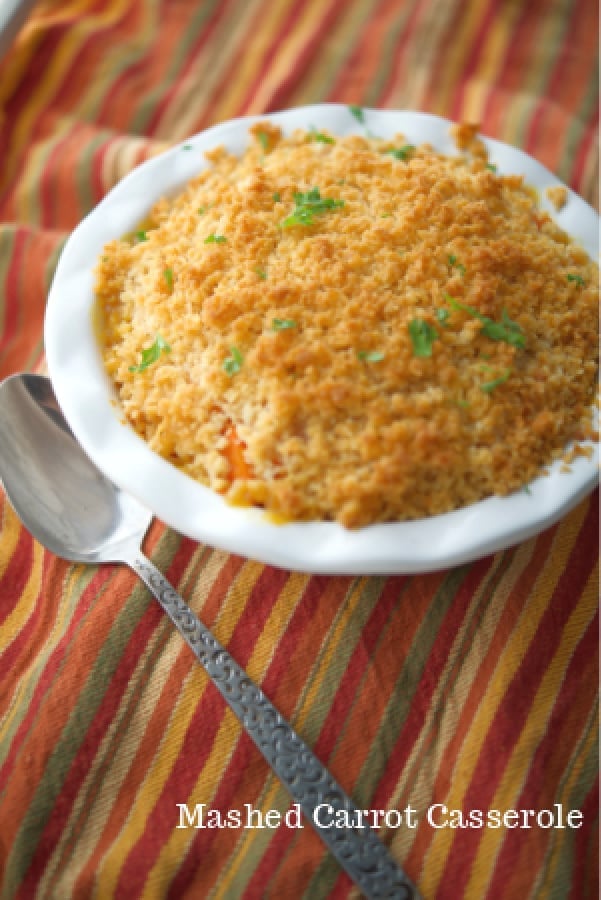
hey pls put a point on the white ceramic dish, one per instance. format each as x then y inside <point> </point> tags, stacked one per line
<point>84,393</point>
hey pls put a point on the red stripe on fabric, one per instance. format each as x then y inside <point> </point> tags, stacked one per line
<point>515,706</point>
<point>244,751</point>
<point>549,762</point>
<point>560,73</point>
<point>288,83</point>
<point>471,64</point>
<point>11,288</point>
<point>585,872</point>
<point>211,709</point>
<point>47,676</point>
<point>343,699</point>
<point>400,60</point>
<point>13,583</point>
<point>585,149</point>
<point>93,737</point>
<point>206,32</point>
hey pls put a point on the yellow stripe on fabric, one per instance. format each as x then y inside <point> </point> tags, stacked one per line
<point>464,27</point>
<point>497,40</point>
<point>209,69</point>
<point>285,57</point>
<point>251,59</point>
<point>317,82</point>
<point>509,663</point>
<point>274,795</point>
<point>172,739</point>
<point>585,750</point>
<point>11,529</point>
<point>54,74</point>
<point>90,815</point>
<point>533,731</point>
<point>173,851</point>
<point>27,684</point>
<point>438,727</point>
<point>26,603</point>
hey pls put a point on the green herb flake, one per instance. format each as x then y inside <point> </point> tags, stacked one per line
<point>201,210</point>
<point>168,276</point>
<point>263,139</point>
<point>320,137</point>
<point>215,239</point>
<point>282,324</point>
<point>151,354</point>
<point>455,264</point>
<point>403,153</point>
<point>261,273</point>
<point>277,197</point>
<point>577,279</point>
<point>233,362</point>
<point>141,236</point>
<point>422,336</point>
<point>307,206</point>
<point>371,355</point>
<point>187,147</point>
<point>491,167</point>
<point>358,113</point>
<point>442,315</point>
<point>506,330</point>
<point>489,386</point>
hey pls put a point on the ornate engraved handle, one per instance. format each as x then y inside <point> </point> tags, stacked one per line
<point>357,848</point>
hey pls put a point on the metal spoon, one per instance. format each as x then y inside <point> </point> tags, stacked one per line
<point>74,511</point>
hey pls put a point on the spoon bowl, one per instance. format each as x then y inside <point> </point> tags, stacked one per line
<point>77,513</point>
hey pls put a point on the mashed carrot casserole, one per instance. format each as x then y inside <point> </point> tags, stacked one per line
<point>352,328</point>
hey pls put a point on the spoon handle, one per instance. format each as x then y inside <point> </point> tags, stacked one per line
<point>357,848</point>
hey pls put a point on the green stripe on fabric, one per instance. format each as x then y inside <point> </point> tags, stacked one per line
<point>163,556</point>
<point>388,54</point>
<point>75,583</point>
<point>151,99</point>
<point>257,841</point>
<point>73,734</point>
<point>7,244</point>
<point>398,707</point>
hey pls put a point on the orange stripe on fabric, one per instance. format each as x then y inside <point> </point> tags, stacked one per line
<point>532,732</point>
<point>136,764</point>
<point>482,723</point>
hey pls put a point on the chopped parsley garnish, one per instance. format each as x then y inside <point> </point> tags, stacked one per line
<point>187,147</point>
<point>506,330</point>
<point>233,362</point>
<point>309,205</point>
<point>358,113</point>
<point>263,138</point>
<point>455,264</point>
<point>261,273</point>
<point>215,239</point>
<point>442,315</point>
<point>282,324</point>
<point>422,336</point>
<point>202,210</point>
<point>168,276</point>
<point>276,197</point>
<point>577,279</point>
<point>320,137</point>
<point>489,386</point>
<point>371,355</point>
<point>403,152</point>
<point>151,354</point>
<point>491,166</point>
<point>141,236</point>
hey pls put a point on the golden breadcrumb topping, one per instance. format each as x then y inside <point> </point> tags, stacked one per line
<point>352,328</point>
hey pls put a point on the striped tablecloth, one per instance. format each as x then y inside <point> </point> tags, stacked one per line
<point>470,689</point>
